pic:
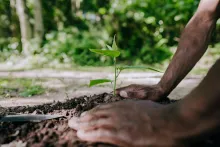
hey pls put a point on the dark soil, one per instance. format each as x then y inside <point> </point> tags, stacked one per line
<point>56,133</point>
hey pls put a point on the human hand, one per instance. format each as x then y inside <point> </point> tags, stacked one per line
<point>128,123</point>
<point>144,92</point>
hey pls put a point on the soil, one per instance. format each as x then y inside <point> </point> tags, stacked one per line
<point>56,133</point>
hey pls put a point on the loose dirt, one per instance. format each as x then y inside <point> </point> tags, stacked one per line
<point>56,133</point>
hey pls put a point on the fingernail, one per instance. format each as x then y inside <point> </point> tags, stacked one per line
<point>123,94</point>
<point>80,133</point>
<point>84,113</point>
<point>73,123</point>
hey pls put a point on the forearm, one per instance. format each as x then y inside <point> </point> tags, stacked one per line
<point>200,110</point>
<point>193,44</point>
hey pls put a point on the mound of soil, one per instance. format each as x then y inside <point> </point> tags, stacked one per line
<point>56,133</point>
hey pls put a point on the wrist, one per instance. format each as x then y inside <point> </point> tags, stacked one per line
<point>163,90</point>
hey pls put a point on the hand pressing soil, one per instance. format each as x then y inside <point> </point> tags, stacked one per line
<point>56,133</point>
<point>52,132</point>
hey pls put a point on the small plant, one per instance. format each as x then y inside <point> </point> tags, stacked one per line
<point>11,87</point>
<point>114,53</point>
<point>32,90</point>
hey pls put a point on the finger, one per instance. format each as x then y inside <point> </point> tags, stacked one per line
<point>122,92</point>
<point>137,94</point>
<point>102,135</point>
<point>101,110</point>
<point>97,124</point>
<point>122,89</point>
<point>132,91</point>
<point>95,115</point>
<point>97,108</point>
<point>75,122</point>
<point>133,94</point>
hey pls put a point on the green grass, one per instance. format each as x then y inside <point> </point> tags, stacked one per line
<point>19,87</point>
<point>32,90</point>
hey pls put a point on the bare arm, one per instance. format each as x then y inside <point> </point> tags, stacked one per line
<point>200,110</point>
<point>193,44</point>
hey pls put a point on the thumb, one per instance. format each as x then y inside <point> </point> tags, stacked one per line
<point>132,94</point>
<point>126,92</point>
<point>118,91</point>
<point>122,92</point>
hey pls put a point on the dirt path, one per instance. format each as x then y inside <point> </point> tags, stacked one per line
<point>69,84</point>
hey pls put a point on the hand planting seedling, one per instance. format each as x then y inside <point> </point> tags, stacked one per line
<point>114,53</point>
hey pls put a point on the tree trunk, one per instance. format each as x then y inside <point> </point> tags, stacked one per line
<point>14,20</point>
<point>38,25</point>
<point>75,4</point>
<point>24,26</point>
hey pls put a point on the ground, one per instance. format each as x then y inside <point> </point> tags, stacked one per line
<point>56,132</point>
<point>61,85</point>
<point>64,81</point>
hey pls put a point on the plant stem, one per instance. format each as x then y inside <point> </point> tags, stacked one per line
<point>118,73</point>
<point>115,77</point>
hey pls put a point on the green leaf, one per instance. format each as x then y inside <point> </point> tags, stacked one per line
<point>111,53</point>
<point>114,45</point>
<point>138,67</point>
<point>109,47</point>
<point>98,81</point>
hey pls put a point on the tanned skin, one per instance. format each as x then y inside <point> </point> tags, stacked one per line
<point>193,44</point>
<point>145,123</point>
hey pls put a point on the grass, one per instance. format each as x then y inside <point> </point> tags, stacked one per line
<point>32,90</point>
<point>19,87</point>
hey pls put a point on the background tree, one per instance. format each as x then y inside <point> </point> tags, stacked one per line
<point>65,30</point>
<point>14,27</point>
<point>24,25</point>
<point>38,22</point>
<point>75,5</point>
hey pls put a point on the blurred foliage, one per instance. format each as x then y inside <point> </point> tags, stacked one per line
<point>72,45</point>
<point>31,91</point>
<point>145,29</point>
<point>9,46</point>
<point>19,87</point>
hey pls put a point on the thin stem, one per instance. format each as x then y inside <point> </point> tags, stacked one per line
<point>118,73</point>
<point>115,77</point>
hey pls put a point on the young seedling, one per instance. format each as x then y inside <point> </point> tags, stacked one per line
<point>114,53</point>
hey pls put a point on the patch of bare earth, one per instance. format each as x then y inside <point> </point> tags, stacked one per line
<point>56,133</point>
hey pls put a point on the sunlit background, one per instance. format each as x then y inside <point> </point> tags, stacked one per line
<point>59,33</point>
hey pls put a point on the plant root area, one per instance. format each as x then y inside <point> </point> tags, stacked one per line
<point>56,133</point>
